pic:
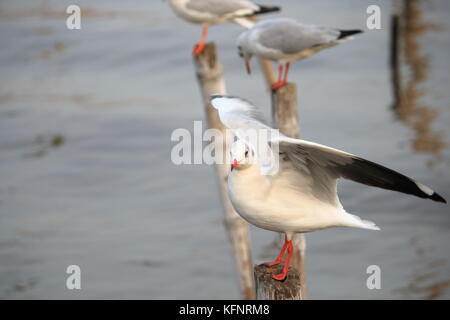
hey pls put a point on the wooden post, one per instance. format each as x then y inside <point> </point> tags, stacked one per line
<point>394,59</point>
<point>210,78</point>
<point>285,117</point>
<point>268,288</point>
<point>284,110</point>
<point>269,73</point>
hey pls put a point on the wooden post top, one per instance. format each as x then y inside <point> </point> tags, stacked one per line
<point>268,288</point>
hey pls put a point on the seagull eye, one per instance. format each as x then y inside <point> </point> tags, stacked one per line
<point>246,153</point>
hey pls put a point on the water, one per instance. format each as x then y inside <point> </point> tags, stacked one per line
<point>86,177</point>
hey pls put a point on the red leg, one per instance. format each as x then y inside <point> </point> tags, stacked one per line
<point>280,72</point>
<point>198,48</point>
<point>281,80</point>
<point>284,273</point>
<point>280,256</point>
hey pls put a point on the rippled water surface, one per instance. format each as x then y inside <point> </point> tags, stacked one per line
<point>85,171</point>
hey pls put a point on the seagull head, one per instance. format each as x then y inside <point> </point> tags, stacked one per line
<point>241,155</point>
<point>243,53</point>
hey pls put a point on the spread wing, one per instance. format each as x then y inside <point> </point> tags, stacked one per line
<point>320,166</point>
<point>247,123</point>
<point>237,113</point>
<point>325,165</point>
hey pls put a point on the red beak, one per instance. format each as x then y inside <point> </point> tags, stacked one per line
<point>235,163</point>
<point>248,67</point>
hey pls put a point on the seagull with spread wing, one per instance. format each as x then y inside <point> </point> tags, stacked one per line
<point>209,12</point>
<point>286,40</point>
<point>301,196</point>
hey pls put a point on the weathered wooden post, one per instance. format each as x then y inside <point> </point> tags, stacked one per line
<point>285,116</point>
<point>270,289</point>
<point>394,57</point>
<point>210,78</point>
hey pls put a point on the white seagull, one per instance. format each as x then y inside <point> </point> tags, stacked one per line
<point>209,12</point>
<point>302,196</point>
<point>286,40</point>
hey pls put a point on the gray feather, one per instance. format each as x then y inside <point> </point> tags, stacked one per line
<point>290,36</point>
<point>327,164</point>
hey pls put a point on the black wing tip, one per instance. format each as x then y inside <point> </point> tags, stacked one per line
<point>266,9</point>
<point>348,33</point>
<point>436,197</point>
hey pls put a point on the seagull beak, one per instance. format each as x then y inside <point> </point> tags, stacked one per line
<point>248,67</point>
<point>235,164</point>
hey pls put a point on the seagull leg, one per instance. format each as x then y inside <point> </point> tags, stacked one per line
<point>280,256</point>
<point>284,273</point>
<point>280,72</point>
<point>198,48</point>
<point>281,80</point>
<point>276,85</point>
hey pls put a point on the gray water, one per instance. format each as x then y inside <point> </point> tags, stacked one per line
<point>86,176</point>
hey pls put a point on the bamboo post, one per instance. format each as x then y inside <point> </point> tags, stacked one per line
<point>210,78</point>
<point>268,71</point>
<point>284,110</point>
<point>394,58</point>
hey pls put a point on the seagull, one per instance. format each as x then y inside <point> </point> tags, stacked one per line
<point>286,40</point>
<point>301,197</point>
<point>209,12</point>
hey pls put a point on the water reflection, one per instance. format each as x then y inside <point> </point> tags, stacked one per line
<point>425,282</point>
<point>407,28</point>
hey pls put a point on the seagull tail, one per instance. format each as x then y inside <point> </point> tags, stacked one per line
<point>266,9</point>
<point>367,224</point>
<point>351,220</point>
<point>347,33</point>
<point>248,21</point>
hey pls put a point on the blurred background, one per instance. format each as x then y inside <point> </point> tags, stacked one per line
<point>85,172</point>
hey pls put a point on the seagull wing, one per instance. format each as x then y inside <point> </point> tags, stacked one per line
<point>326,165</point>
<point>296,36</point>
<point>237,113</point>
<point>317,164</point>
<point>247,123</point>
